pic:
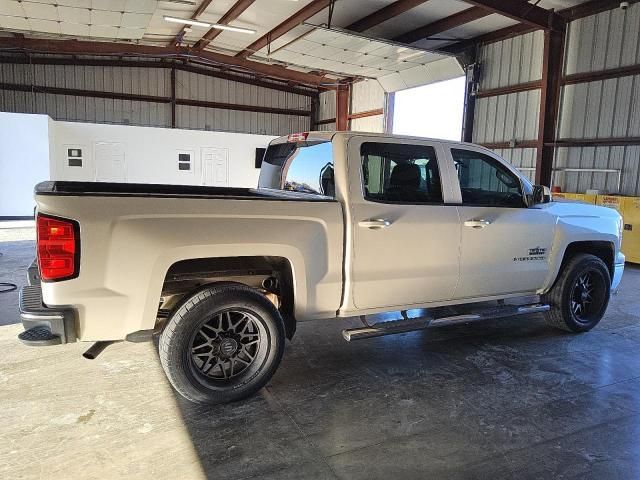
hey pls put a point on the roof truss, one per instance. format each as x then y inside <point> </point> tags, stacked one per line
<point>386,13</point>
<point>442,25</point>
<point>234,12</point>
<point>289,24</point>
<point>79,47</point>
<point>523,12</point>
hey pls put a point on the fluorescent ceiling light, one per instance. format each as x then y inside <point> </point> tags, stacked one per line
<point>220,26</point>
<point>185,21</point>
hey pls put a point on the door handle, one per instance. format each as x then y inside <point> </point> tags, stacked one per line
<point>480,223</point>
<point>375,223</point>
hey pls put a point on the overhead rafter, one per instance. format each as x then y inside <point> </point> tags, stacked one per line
<point>442,25</point>
<point>234,12</point>
<point>289,24</point>
<point>523,12</point>
<point>496,35</point>
<point>384,14</point>
<point>78,47</point>
<point>591,7</point>
<point>582,10</point>
<point>199,11</point>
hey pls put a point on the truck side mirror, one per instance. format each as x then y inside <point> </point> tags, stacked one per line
<point>541,194</point>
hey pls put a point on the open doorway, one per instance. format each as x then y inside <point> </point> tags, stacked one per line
<point>434,110</point>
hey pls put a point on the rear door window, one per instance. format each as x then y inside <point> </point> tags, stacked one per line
<point>400,173</point>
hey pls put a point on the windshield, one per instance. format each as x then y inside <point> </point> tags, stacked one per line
<point>305,167</point>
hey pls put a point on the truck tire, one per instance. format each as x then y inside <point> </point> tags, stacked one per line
<point>222,344</point>
<point>580,295</point>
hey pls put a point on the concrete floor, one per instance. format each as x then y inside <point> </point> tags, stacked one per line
<point>500,399</point>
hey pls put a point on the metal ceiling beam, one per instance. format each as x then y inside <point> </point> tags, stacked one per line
<point>199,11</point>
<point>384,14</point>
<point>78,47</point>
<point>285,27</point>
<point>524,12</point>
<point>592,7</point>
<point>233,13</point>
<point>495,36</point>
<point>442,25</point>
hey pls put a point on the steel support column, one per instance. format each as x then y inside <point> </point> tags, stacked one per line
<point>342,107</point>
<point>552,65</point>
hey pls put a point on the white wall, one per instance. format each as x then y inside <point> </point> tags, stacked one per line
<point>150,154</point>
<point>24,161</point>
<point>33,148</point>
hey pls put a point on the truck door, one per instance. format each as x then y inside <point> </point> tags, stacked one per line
<point>404,236</point>
<point>505,245</point>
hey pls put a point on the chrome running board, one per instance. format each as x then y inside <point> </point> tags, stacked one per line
<point>413,324</point>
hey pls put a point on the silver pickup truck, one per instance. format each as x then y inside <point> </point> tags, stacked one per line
<point>341,224</point>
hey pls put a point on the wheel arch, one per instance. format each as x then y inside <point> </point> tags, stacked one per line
<point>186,277</point>
<point>602,249</point>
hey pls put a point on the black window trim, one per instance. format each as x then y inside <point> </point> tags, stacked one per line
<point>394,202</point>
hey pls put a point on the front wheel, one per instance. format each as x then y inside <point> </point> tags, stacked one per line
<point>222,344</point>
<point>580,296</point>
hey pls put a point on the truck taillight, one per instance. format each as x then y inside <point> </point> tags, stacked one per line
<point>58,248</point>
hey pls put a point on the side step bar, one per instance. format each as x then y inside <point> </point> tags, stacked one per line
<point>413,324</point>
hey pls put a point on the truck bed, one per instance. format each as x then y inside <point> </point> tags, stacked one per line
<point>105,189</point>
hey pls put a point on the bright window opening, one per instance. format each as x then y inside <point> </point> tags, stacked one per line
<point>433,111</point>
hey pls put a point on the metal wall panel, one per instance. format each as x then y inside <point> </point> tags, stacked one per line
<point>200,118</point>
<point>135,80</point>
<point>84,109</point>
<point>326,127</point>
<point>507,117</point>
<point>374,124</point>
<point>512,61</point>
<point>201,87</point>
<point>327,105</point>
<point>602,109</point>
<point>603,41</point>
<point>626,159</point>
<point>366,95</point>
<point>149,81</point>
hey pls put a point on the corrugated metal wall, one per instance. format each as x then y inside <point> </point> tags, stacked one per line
<point>601,109</point>
<point>513,116</point>
<point>327,110</point>
<point>593,110</point>
<point>155,82</point>
<point>142,81</point>
<point>366,96</point>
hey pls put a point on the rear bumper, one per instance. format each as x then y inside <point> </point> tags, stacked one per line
<point>38,320</point>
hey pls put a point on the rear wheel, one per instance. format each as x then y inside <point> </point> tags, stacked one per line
<point>223,344</point>
<point>580,296</point>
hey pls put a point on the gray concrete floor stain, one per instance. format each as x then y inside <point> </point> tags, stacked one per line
<point>509,398</point>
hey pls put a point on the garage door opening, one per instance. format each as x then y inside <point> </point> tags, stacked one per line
<point>434,110</point>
